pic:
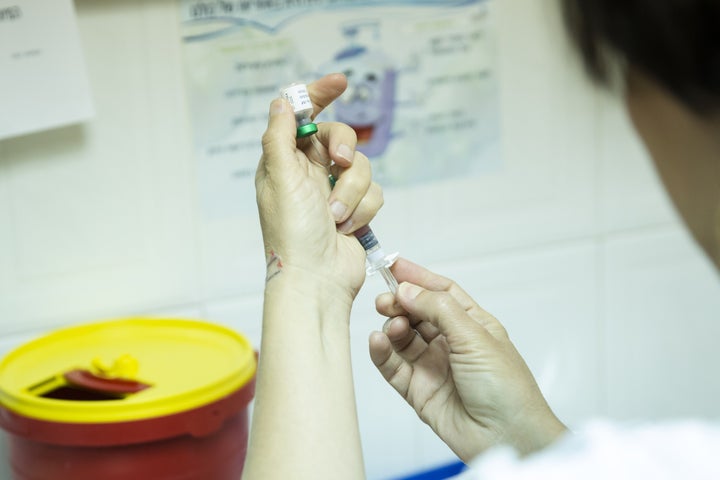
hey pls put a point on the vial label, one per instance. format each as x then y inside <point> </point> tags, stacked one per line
<point>298,97</point>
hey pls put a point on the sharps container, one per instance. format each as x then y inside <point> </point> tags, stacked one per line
<point>140,398</point>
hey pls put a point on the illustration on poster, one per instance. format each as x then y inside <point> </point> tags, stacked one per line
<point>368,103</point>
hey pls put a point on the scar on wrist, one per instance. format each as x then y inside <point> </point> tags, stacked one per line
<point>274,265</point>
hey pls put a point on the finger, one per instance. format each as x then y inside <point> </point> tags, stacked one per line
<point>278,141</point>
<point>443,311</point>
<point>337,143</point>
<point>351,186</point>
<point>396,371</point>
<point>325,90</point>
<point>407,271</point>
<point>387,306</point>
<point>399,331</point>
<point>406,341</point>
<point>365,211</point>
<point>427,330</point>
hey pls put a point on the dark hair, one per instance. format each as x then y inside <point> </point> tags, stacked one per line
<point>676,42</point>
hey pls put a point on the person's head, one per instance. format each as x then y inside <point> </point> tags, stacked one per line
<point>667,55</point>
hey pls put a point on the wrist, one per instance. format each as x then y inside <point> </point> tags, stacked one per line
<point>308,287</point>
<point>339,274</point>
<point>537,431</point>
<point>298,302</point>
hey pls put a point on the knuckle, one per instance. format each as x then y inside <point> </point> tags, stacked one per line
<point>377,195</point>
<point>268,139</point>
<point>444,302</point>
<point>498,330</point>
<point>372,204</point>
<point>362,161</point>
<point>503,333</point>
<point>353,184</point>
<point>365,210</point>
<point>338,131</point>
<point>347,132</point>
<point>392,371</point>
<point>406,343</point>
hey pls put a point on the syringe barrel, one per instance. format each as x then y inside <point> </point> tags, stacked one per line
<point>367,238</point>
<point>376,257</point>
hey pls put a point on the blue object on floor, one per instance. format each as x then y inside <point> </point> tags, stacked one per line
<point>440,473</point>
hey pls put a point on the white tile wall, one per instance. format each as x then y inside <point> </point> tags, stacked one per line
<point>571,243</point>
<point>242,314</point>
<point>662,325</point>
<point>99,217</point>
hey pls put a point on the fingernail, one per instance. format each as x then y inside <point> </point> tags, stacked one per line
<point>338,210</point>
<point>386,325</point>
<point>408,290</point>
<point>277,106</point>
<point>346,226</point>
<point>345,152</point>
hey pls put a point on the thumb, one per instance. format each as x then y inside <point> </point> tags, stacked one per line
<point>443,311</point>
<point>278,141</point>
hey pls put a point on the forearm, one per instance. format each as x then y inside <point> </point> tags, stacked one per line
<point>304,422</point>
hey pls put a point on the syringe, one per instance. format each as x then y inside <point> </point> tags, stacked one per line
<point>377,259</point>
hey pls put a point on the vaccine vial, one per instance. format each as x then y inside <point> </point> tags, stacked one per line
<point>298,96</point>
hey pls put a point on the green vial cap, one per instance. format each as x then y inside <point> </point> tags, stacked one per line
<point>306,130</point>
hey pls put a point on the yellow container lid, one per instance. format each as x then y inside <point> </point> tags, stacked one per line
<point>176,365</point>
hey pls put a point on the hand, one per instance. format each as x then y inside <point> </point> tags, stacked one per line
<point>455,365</point>
<point>306,226</point>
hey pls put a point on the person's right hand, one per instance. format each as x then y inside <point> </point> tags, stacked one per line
<point>455,365</point>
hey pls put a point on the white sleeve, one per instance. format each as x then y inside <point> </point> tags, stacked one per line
<point>687,450</point>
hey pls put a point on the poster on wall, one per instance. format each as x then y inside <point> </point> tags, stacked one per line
<point>43,80</point>
<point>422,94</point>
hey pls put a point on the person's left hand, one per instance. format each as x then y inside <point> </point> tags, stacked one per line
<point>455,365</point>
<point>307,227</point>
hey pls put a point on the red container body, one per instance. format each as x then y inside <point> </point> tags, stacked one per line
<point>206,443</point>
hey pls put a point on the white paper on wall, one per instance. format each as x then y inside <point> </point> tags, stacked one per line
<point>43,82</point>
<point>422,96</point>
